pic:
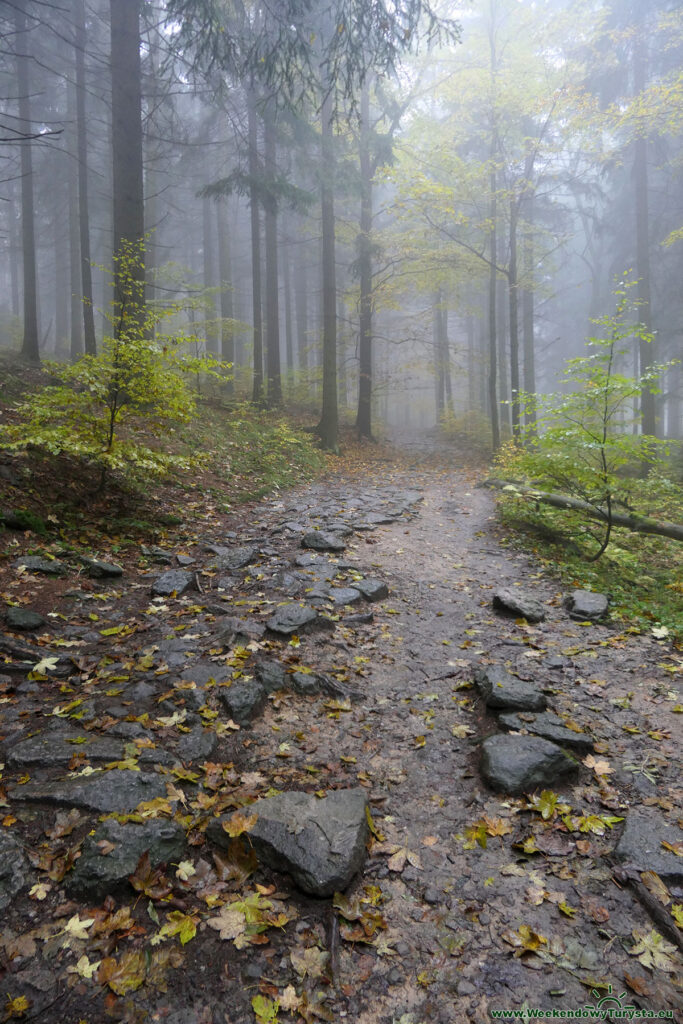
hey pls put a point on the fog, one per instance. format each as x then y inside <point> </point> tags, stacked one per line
<point>397,230</point>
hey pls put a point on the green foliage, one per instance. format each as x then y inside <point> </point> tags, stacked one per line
<point>585,440</point>
<point>106,407</point>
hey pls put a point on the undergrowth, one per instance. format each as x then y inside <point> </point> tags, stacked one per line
<point>643,575</point>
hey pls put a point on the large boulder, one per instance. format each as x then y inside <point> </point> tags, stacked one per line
<point>517,602</point>
<point>319,842</point>
<point>101,870</point>
<point>500,689</point>
<point>518,764</point>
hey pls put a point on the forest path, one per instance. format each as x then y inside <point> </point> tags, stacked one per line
<point>485,903</point>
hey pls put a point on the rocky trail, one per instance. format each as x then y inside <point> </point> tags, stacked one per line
<point>346,756</point>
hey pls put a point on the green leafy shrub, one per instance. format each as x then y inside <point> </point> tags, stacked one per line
<point>106,408</point>
<point>585,440</point>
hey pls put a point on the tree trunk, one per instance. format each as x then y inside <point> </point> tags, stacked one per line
<point>301,309</point>
<point>126,100</point>
<point>438,356</point>
<point>14,246</point>
<point>364,416</point>
<point>225,274</point>
<point>514,319</point>
<point>210,276</point>
<point>328,426</point>
<point>30,347</point>
<point>493,244</point>
<point>75,277</point>
<point>83,205</point>
<point>257,318</point>
<point>645,353</point>
<point>61,268</point>
<point>274,394</point>
<point>528,313</point>
<point>289,332</point>
<point>634,522</point>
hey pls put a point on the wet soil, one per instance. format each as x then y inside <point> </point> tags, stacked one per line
<point>484,904</point>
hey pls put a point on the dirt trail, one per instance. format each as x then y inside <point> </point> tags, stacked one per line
<point>486,905</point>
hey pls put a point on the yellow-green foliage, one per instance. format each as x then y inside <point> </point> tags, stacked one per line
<point>106,408</point>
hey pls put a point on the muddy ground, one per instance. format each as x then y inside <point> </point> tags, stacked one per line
<point>470,901</point>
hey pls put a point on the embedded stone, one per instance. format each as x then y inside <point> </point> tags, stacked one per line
<point>585,606</point>
<point>24,620</point>
<point>372,589</point>
<point>319,842</point>
<point>516,602</point>
<point>517,764</point>
<point>13,869</point>
<point>229,559</point>
<point>104,791</point>
<point>550,727</point>
<point>295,618</point>
<point>36,563</point>
<point>500,689</point>
<point>101,871</point>
<point>641,846</point>
<point>323,540</point>
<point>175,581</point>
<point>100,570</point>
<point>243,700</point>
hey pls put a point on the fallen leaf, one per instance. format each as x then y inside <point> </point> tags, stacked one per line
<point>238,823</point>
<point>310,961</point>
<point>124,975</point>
<point>653,951</point>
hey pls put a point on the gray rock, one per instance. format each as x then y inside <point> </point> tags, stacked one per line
<point>271,675</point>
<point>308,684</point>
<point>202,672</point>
<point>363,619</point>
<point>185,560</point>
<point>174,581</point>
<point>96,875</point>
<point>197,745</point>
<point>516,602</point>
<point>158,555</point>
<point>244,700</point>
<point>13,869</point>
<point>233,631</point>
<point>585,606</point>
<point>104,791</point>
<point>323,540</point>
<point>550,727</point>
<point>372,589</point>
<point>58,746</point>
<point>100,570</point>
<point>228,559</point>
<point>320,843</point>
<point>296,618</point>
<point>24,620</point>
<point>499,689</point>
<point>518,764</point>
<point>344,595</point>
<point>641,844</point>
<point>36,563</point>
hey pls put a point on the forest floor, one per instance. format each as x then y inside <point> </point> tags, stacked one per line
<point>470,901</point>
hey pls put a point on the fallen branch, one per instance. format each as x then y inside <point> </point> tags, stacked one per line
<point>632,521</point>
